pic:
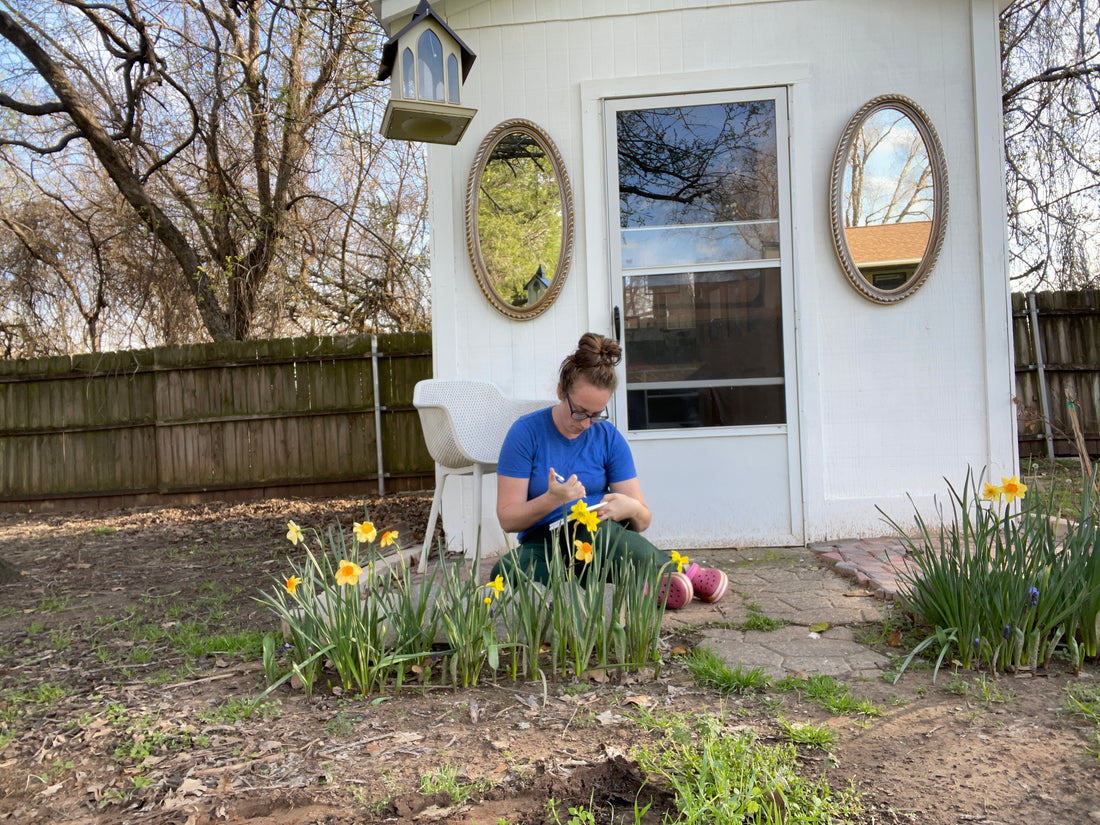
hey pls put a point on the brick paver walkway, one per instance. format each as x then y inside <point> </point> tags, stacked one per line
<point>875,564</point>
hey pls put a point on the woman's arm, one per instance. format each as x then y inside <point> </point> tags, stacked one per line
<point>626,503</point>
<point>516,512</point>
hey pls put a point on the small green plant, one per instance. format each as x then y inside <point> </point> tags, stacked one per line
<point>983,687</point>
<point>719,775</point>
<point>809,734</point>
<point>235,709</point>
<point>709,670</point>
<point>758,621</point>
<point>829,694</point>
<point>445,780</point>
<point>144,736</point>
<point>1084,701</point>
<point>52,604</point>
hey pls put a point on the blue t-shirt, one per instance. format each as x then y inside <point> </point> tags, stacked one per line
<point>599,456</point>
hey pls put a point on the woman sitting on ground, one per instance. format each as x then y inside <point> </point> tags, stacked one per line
<point>570,451</point>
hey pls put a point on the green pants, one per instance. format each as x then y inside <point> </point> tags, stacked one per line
<point>617,545</point>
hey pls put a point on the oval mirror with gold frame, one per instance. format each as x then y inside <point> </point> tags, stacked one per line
<point>519,219</point>
<point>888,199</point>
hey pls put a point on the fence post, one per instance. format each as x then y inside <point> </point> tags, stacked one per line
<point>1044,407</point>
<point>377,412</point>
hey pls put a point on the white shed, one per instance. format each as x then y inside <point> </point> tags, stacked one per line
<point>774,391</point>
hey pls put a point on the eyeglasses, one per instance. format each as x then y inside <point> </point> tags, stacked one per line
<point>579,415</point>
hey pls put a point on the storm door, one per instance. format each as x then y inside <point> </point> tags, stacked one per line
<point>701,283</point>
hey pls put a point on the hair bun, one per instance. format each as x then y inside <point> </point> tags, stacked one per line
<point>595,350</point>
<point>594,361</point>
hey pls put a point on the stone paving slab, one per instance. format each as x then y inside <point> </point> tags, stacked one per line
<point>794,585</point>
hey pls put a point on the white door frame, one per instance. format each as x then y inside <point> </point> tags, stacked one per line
<point>597,223</point>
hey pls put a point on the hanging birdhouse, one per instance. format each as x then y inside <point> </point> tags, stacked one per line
<point>427,65</point>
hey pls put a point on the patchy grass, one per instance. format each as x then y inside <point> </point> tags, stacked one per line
<point>830,694</point>
<point>809,734</point>
<point>709,670</point>
<point>445,779</point>
<point>1060,481</point>
<point>721,774</point>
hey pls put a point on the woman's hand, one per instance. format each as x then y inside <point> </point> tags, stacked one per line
<point>617,507</point>
<point>565,491</point>
<point>626,503</point>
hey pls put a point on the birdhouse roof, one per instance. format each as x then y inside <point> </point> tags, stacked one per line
<point>424,10</point>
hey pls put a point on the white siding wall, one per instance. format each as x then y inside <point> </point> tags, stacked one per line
<point>892,398</point>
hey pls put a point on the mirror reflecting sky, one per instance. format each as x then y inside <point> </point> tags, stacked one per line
<point>888,175</point>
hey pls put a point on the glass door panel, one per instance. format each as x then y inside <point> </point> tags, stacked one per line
<point>699,263</point>
<point>704,349</point>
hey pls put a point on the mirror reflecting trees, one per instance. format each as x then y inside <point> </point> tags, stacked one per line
<point>888,190</point>
<point>519,219</point>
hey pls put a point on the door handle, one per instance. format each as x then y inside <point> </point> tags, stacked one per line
<point>618,327</point>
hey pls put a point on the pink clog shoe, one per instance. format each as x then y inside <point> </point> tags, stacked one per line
<point>708,583</point>
<point>676,591</point>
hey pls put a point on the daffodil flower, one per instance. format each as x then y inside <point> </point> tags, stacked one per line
<point>364,532</point>
<point>388,538</point>
<point>496,587</point>
<point>1013,488</point>
<point>348,572</point>
<point>292,583</point>
<point>293,533</point>
<point>991,491</point>
<point>580,513</point>
<point>679,561</point>
<point>584,551</point>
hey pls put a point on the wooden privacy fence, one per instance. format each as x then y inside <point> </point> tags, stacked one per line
<point>302,416</point>
<point>1057,342</point>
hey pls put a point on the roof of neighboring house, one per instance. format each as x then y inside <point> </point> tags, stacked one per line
<point>888,243</point>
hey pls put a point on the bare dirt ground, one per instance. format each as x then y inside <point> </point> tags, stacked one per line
<point>105,719</point>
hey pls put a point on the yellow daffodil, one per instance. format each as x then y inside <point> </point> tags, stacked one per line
<point>364,532</point>
<point>580,513</point>
<point>388,538</point>
<point>293,533</point>
<point>496,587</point>
<point>679,561</point>
<point>584,551</point>
<point>1013,488</point>
<point>348,572</point>
<point>991,491</point>
<point>292,583</point>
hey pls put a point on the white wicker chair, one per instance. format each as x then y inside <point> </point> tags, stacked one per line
<point>464,425</point>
